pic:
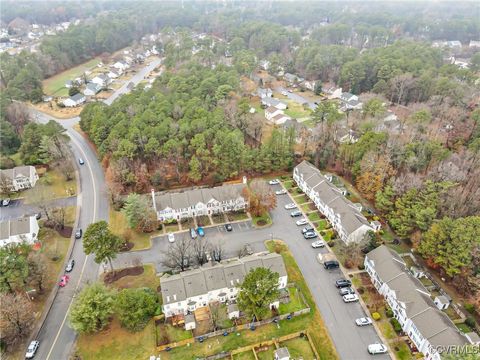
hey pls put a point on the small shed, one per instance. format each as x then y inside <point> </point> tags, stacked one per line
<point>190,322</point>
<point>275,304</point>
<point>376,225</point>
<point>282,354</point>
<point>441,302</point>
<point>233,311</point>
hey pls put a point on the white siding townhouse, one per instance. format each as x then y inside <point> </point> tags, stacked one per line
<point>16,231</point>
<point>344,216</point>
<point>427,327</point>
<point>19,178</point>
<point>207,201</point>
<point>189,290</point>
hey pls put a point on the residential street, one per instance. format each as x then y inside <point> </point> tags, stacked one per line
<point>297,98</point>
<point>350,340</point>
<point>18,208</point>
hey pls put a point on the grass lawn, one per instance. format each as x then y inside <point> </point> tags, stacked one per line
<point>263,220</point>
<point>322,224</point>
<point>246,355</point>
<point>300,199</point>
<point>236,216</point>
<point>308,207</point>
<point>119,226</point>
<point>218,218</point>
<point>299,347</point>
<point>147,279</point>
<point>169,333</point>
<point>170,227</point>
<point>116,343</point>
<point>295,303</point>
<point>309,123</point>
<point>296,110</point>
<point>55,85</point>
<point>266,355</point>
<point>315,216</point>
<point>288,184</point>
<point>403,352</point>
<point>464,328</point>
<point>51,185</point>
<point>387,329</point>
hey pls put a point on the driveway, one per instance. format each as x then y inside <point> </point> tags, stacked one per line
<point>18,208</point>
<point>351,341</point>
<point>295,97</point>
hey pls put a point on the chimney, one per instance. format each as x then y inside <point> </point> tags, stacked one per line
<point>153,200</point>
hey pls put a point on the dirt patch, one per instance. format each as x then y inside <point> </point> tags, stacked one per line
<point>261,222</point>
<point>113,276</point>
<point>127,246</point>
<point>66,232</point>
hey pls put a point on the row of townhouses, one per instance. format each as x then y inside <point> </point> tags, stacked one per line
<point>18,178</point>
<point>189,290</point>
<point>429,328</point>
<point>16,231</point>
<point>345,217</point>
<point>198,202</point>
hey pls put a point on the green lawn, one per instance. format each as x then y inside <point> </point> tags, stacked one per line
<point>322,224</point>
<point>119,226</point>
<point>170,227</point>
<point>300,199</point>
<point>464,327</point>
<point>288,184</point>
<point>387,329</point>
<point>172,333</point>
<point>52,185</point>
<point>296,110</point>
<point>309,123</point>
<point>266,355</point>
<point>403,352</point>
<point>236,216</point>
<point>299,347</point>
<point>263,220</point>
<point>147,279</point>
<point>246,355</point>
<point>295,303</point>
<point>55,85</point>
<point>315,216</point>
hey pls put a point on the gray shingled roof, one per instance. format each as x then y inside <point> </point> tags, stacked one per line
<point>14,227</point>
<point>211,277</point>
<point>16,171</point>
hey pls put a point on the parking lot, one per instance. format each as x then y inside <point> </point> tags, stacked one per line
<point>350,340</point>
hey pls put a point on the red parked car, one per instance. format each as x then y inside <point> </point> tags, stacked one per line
<point>64,280</point>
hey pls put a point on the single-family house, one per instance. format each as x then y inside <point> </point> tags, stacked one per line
<point>264,92</point>
<point>121,65</point>
<point>454,44</point>
<point>334,93</point>
<point>350,102</point>
<point>309,85</point>
<point>290,78</point>
<point>21,230</point>
<point>346,136</point>
<point>474,43</point>
<point>74,100</point>
<point>18,178</point>
<point>267,101</point>
<point>114,73</point>
<point>280,119</point>
<point>92,89</point>
<point>346,219</point>
<point>197,202</point>
<point>281,354</point>
<point>189,290</point>
<point>102,80</point>
<point>47,98</point>
<point>272,111</point>
<point>264,64</point>
<point>427,327</point>
<point>68,84</point>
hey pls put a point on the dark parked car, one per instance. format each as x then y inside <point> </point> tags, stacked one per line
<point>70,265</point>
<point>38,216</point>
<point>5,202</point>
<point>329,265</point>
<point>341,283</point>
<point>307,229</point>
<point>78,233</point>
<point>228,227</point>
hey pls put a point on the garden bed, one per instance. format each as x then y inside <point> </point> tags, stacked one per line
<point>218,218</point>
<point>237,216</point>
<point>115,275</point>
<point>203,220</point>
<point>261,221</point>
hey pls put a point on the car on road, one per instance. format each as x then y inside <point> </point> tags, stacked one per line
<point>78,233</point>
<point>289,90</point>
<point>38,215</point>
<point>301,222</point>
<point>70,265</point>
<point>193,233</point>
<point>200,231</point>
<point>64,281</point>
<point>318,244</point>
<point>341,283</point>
<point>5,202</point>
<point>363,321</point>
<point>346,291</point>
<point>310,235</point>
<point>290,206</point>
<point>350,298</point>
<point>171,238</point>
<point>80,161</point>
<point>330,265</point>
<point>306,229</point>
<point>377,348</point>
<point>32,349</point>
<point>228,227</point>
<point>281,192</point>
<point>296,213</point>
<point>274,182</point>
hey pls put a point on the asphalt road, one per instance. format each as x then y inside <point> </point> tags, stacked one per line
<point>350,340</point>
<point>18,208</point>
<point>297,98</point>
<point>56,337</point>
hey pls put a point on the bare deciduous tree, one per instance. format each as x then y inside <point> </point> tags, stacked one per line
<point>200,249</point>
<point>178,254</point>
<point>17,318</point>
<point>37,272</point>
<point>217,250</point>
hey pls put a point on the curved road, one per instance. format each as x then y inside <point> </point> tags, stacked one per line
<point>55,336</point>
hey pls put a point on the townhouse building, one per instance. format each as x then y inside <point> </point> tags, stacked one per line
<point>198,202</point>
<point>18,178</point>
<point>190,290</point>
<point>430,329</point>
<point>345,217</point>
<point>16,231</point>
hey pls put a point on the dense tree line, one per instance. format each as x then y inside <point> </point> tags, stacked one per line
<point>189,125</point>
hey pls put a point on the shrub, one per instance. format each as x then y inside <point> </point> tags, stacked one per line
<point>348,263</point>
<point>376,316</point>
<point>361,267</point>
<point>396,325</point>
<point>389,313</point>
<point>331,243</point>
<point>470,321</point>
<point>470,308</point>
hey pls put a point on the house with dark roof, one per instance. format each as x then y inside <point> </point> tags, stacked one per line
<point>101,80</point>
<point>18,178</point>
<point>344,216</point>
<point>197,202</point>
<point>189,290</point>
<point>272,102</point>
<point>74,100</point>
<point>429,328</point>
<point>92,89</point>
<point>17,231</point>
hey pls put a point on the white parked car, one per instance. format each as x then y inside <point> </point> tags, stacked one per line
<point>274,182</point>
<point>301,222</point>
<point>281,192</point>
<point>377,349</point>
<point>350,298</point>
<point>291,206</point>
<point>318,244</point>
<point>171,238</point>
<point>32,349</point>
<point>363,321</point>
